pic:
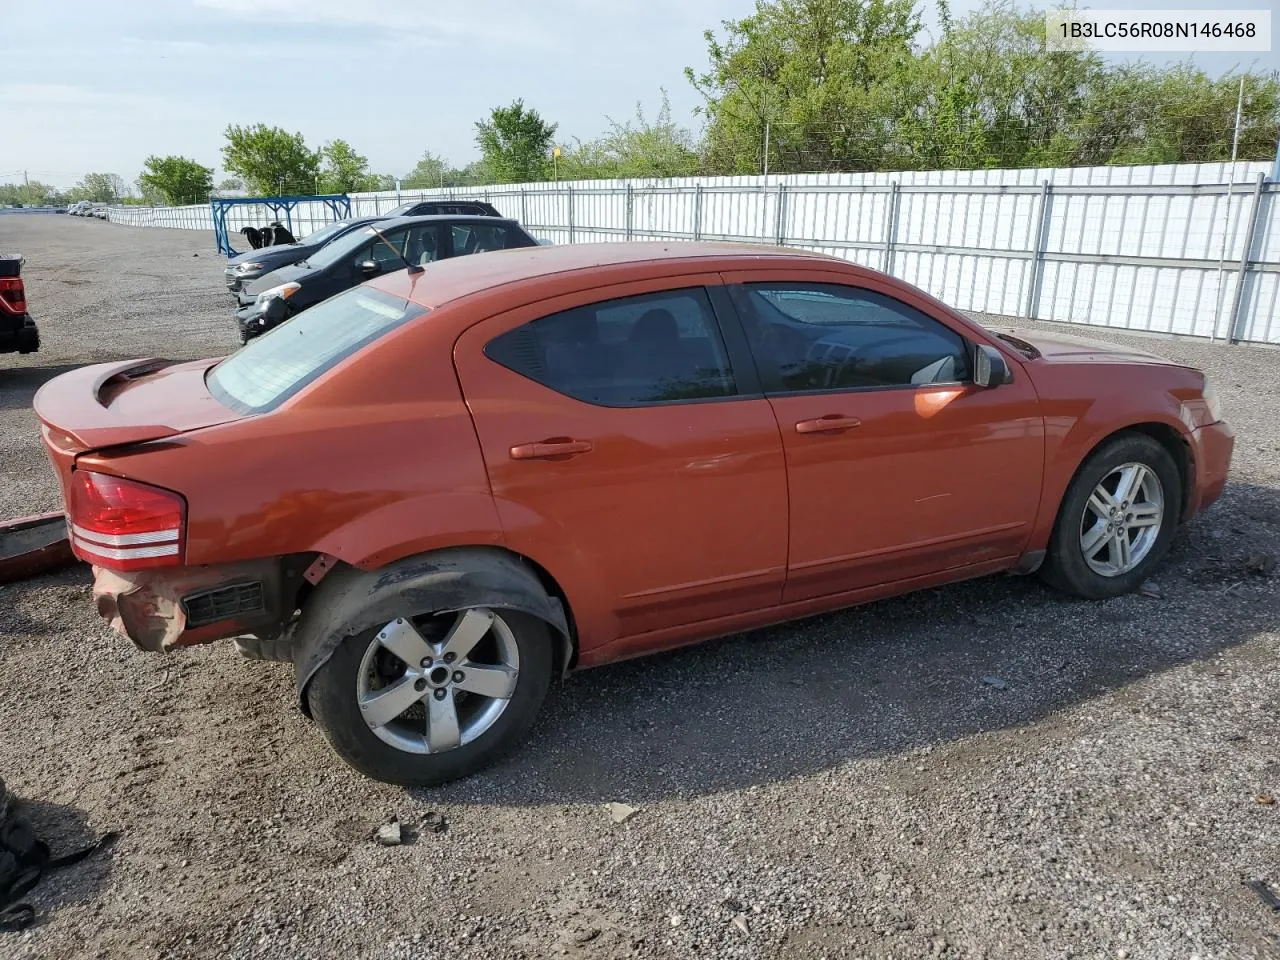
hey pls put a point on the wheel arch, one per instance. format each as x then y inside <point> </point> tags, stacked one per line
<point>1168,436</point>
<point>1178,447</point>
<point>349,600</point>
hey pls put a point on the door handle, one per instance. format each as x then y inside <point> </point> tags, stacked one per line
<point>550,449</point>
<point>831,423</point>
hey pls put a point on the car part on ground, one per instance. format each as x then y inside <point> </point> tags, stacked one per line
<point>30,546</point>
<point>596,452</point>
<point>18,331</point>
<point>25,859</point>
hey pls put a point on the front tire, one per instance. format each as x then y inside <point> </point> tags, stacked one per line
<point>423,700</point>
<point>1117,519</point>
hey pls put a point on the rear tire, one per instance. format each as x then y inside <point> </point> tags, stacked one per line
<point>351,696</point>
<point>1117,519</point>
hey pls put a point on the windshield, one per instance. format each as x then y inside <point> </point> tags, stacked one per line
<point>325,234</point>
<point>345,245</point>
<point>272,368</point>
<point>402,210</point>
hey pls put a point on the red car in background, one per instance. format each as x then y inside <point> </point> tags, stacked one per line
<point>435,492</point>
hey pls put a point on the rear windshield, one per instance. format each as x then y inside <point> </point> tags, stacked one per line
<point>272,368</point>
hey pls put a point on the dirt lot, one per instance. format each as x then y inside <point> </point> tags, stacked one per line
<point>848,786</point>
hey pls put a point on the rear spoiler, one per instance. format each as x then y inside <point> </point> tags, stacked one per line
<point>70,406</point>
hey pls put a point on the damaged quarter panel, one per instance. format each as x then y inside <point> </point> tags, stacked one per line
<point>367,468</point>
<point>350,601</point>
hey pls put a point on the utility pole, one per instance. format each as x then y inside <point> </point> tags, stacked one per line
<point>766,150</point>
<point>1226,231</point>
<point>25,181</point>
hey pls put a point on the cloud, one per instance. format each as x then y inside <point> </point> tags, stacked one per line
<point>65,96</point>
<point>493,22</point>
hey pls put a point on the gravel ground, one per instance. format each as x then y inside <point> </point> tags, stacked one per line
<point>848,786</point>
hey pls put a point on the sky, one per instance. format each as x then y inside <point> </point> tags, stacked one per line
<point>92,85</point>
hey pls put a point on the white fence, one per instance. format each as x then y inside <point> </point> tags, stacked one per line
<point>1170,249</point>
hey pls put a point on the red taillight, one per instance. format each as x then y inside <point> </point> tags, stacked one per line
<point>13,296</point>
<point>123,524</point>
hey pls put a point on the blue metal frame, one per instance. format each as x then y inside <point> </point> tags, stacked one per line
<point>339,204</point>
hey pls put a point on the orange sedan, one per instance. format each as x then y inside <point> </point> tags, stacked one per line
<point>436,492</point>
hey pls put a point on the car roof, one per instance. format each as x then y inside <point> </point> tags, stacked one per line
<point>447,280</point>
<point>451,217</point>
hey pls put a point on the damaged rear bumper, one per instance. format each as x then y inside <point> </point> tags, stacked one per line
<point>185,606</point>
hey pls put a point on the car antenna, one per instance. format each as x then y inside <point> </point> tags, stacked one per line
<point>413,267</point>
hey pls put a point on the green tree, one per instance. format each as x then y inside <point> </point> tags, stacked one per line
<point>100,187</point>
<point>270,160</point>
<point>989,95</point>
<point>343,170</point>
<point>1177,114</point>
<point>231,183</point>
<point>848,85</point>
<point>436,171</point>
<point>515,143</point>
<point>30,194</point>
<point>430,171</point>
<point>821,74</point>
<point>637,148</point>
<point>176,180</point>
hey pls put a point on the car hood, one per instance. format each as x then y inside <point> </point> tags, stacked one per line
<point>285,253</point>
<point>285,274</point>
<point>1066,348</point>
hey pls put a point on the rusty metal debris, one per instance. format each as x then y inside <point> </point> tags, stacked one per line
<point>30,546</point>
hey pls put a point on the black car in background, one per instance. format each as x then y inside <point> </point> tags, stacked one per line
<point>17,330</point>
<point>379,247</point>
<point>247,267</point>
<point>433,208</point>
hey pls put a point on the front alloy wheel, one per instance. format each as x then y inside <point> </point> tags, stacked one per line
<point>1116,520</point>
<point>1122,520</point>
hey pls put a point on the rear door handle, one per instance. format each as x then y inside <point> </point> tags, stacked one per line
<point>550,449</point>
<point>831,423</point>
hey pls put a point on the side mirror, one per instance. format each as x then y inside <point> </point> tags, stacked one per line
<point>990,369</point>
<point>369,267</point>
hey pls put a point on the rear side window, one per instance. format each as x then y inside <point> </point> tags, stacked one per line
<point>272,368</point>
<point>471,238</point>
<point>654,348</point>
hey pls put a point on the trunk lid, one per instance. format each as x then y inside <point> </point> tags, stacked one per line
<point>111,404</point>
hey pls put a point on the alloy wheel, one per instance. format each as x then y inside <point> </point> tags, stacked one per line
<point>1122,520</point>
<point>432,684</point>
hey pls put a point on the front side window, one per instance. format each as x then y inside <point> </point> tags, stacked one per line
<point>342,248</point>
<point>653,348</point>
<point>818,336</point>
<point>273,367</point>
<point>387,251</point>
